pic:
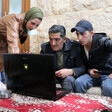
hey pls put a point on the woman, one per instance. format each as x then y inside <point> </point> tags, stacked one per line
<point>14,27</point>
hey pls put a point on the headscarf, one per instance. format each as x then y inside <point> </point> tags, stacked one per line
<point>33,13</point>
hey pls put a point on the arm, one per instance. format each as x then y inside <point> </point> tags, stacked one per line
<point>43,47</point>
<point>73,63</point>
<point>12,36</point>
<point>106,44</point>
<point>80,68</point>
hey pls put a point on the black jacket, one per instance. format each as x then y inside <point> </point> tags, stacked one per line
<point>100,54</point>
<point>72,57</point>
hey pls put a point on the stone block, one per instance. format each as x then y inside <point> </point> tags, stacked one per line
<point>60,6</point>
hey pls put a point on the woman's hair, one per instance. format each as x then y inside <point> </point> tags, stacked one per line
<point>58,29</point>
<point>39,18</point>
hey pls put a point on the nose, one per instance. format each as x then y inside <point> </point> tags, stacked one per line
<point>53,42</point>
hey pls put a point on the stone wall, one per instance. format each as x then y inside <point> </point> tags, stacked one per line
<point>68,13</point>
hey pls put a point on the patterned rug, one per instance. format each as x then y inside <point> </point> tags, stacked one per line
<point>73,102</point>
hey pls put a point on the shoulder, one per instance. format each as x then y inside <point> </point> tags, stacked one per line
<point>20,17</point>
<point>100,34</point>
<point>101,38</point>
<point>45,45</point>
<point>103,41</point>
<point>74,43</point>
<point>15,17</point>
<point>46,48</point>
<point>12,19</point>
<point>8,17</point>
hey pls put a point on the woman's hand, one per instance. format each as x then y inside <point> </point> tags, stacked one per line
<point>28,52</point>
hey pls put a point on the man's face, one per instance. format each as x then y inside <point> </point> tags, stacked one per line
<point>84,38</point>
<point>56,41</point>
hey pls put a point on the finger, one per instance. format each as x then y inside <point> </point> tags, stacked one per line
<point>97,74</point>
<point>58,74</point>
<point>110,77</point>
<point>62,76</point>
<point>92,74</point>
<point>23,51</point>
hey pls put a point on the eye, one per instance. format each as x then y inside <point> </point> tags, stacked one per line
<point>32,23</point>
<point>57,39</point>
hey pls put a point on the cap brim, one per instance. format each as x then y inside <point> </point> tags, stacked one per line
<point>73,29</point>
<point>78,28</point>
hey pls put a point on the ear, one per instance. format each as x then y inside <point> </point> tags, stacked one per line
<point>92,33</point>
<point>65,39</point>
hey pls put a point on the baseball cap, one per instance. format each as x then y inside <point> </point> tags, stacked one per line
<point>82,26</point>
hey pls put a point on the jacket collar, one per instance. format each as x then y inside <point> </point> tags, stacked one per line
<point>67,45</point>
<point>96,38</point>
<point>94,43</point>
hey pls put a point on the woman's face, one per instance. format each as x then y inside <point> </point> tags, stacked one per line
<point>32,24</point>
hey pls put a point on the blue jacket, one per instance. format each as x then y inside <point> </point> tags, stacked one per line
<point>100,54</point>
<point>72,57</point>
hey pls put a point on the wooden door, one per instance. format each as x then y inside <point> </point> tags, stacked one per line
<point>26,45</point>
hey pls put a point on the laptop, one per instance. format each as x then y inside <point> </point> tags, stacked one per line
<point>32,75</point>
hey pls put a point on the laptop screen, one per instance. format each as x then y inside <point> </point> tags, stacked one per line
<point>31,74</point>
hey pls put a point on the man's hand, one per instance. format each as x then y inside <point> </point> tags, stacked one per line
<point>63,73</point>
<point>93,74</point>
<point>110,76</point>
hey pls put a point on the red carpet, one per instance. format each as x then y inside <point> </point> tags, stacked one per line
<point>69,103</point>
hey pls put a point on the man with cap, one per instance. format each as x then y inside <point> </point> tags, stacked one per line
<point>96,50</point>
<point>67,58</point>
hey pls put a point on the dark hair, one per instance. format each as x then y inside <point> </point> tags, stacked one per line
<point>58,29</point>
<point>40,19</point>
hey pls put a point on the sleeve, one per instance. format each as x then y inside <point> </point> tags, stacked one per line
<point>45,48</point>
<point>42,49</point>
<point>12,36</point>
<point>79,68</point>
<point>106,44</point>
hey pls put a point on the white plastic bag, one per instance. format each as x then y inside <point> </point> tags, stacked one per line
<point>2,86</point>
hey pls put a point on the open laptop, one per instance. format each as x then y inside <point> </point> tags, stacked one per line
<point>32,75</point>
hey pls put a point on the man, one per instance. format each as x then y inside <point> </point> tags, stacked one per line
<point>67,60</point>
<point>96,50</point>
